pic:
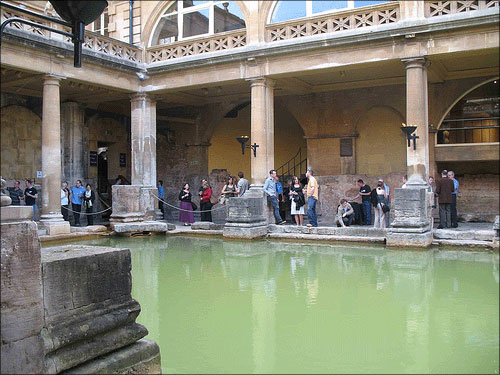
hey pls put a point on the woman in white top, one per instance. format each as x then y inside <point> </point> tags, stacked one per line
<point>297,201</point>
<point>65,200</point>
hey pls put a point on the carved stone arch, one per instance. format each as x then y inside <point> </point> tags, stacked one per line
<point>450,107</point>
<point>162,6</point>
<point>390,108</point>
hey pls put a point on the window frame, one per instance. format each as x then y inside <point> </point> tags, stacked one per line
<point>181,12</point>
<point>104,27</point>
<point>309,10</point>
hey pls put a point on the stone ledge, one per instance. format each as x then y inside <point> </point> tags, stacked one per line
<point>206,225</point>
<point>454,234</point>
<point>89,229</point>
<point>16,213</point>
<point>329,231</point>
<point>464,243</point>
<point>143,226</point>
<point>142,357</point>
<point>319,237</point>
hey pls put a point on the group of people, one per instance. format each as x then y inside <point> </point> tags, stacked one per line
<point>79,197</point>
<point>187,206</point>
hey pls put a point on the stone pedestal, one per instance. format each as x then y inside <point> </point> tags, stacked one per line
<point>411,226</point>
<point>22,306</point>
<point>134,209</point>
<point>246,216</point>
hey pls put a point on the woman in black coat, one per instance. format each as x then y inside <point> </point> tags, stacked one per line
<point>88,203</point>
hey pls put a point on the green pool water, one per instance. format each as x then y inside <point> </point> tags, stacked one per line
<point>219,306</point>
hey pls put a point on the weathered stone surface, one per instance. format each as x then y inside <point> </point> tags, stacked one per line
<point>141,357</point>
<point>16,213</point>
<point>56,227</point>
<point>206,225</point>
<point>144,226</point>
<point>90,229</point>
<point>407,239</point>
<point>329,238</point>
<point>88,307</point>
<point>247,216</point>
<point>496,237</point>
<point>453,234</point>
<point>329,231</point>
<point>22,308</point>
<point>133,203</point>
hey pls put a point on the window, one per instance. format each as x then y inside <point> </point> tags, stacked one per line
<point>290,9</point>
<point>191,18</point>
<point>100,25</point>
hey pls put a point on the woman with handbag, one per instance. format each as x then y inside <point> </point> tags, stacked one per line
<point>205,204</point>
<point>229,190</point>
<point>186,215</point>
<point>88,203</point>
<point>297,201</point>
<point>381,205</point>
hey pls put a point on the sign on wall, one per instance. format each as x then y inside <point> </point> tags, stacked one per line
<point>93,158</point>
<point>123,160</point>
<point>346,147</point>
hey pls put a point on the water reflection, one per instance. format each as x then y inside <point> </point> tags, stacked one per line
<point>287,307</point>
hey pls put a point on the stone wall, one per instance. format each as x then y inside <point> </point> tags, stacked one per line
<point>478,197</point>
<point>22,308</point>
<point>334,188</point>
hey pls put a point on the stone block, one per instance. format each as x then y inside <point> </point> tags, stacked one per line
<point>22,307</point>
<point>55,227</point>
<point>139,227</point>
<point>408,239</point>
<point>90,229</point>
<point>206,225</point>
<point>244,231</point>
<point>89,311</point>
<point>142,357</point>
<point>16,213</point>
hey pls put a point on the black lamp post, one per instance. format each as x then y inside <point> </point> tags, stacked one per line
<point>409,130</point>
<point>75,13</point>
<point>243,140</point>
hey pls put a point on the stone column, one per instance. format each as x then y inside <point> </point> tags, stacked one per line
<point>248,216</point>
<point>417,114</point>
<point>52,219</point>
<point>143,130</point>
<point>74,142</point>
<point>262,128</point>
<point>133,204</point>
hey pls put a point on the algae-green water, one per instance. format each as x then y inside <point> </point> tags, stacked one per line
<point>219,306</point>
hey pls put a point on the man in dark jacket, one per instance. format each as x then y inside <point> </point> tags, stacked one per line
<point>444,190</point>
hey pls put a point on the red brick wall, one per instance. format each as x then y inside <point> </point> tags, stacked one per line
<point>478,197</point>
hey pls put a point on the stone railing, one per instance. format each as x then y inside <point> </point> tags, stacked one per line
<point>441,8</point>
<point>93,41</point>
<point>346,20</point>
<point>198,46</point>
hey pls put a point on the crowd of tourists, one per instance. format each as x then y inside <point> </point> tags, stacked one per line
<point>299,194</point>
<point>293,198</point>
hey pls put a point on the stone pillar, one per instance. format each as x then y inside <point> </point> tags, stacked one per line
<point>417,114</point>
<point>262,128</point>
<point>143,130</point>
<point>135,204</point>
<point>249,216</point>
<point>52,219</point>
<point>74,142</point>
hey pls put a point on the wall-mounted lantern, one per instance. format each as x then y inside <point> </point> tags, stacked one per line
<point>75,14</point>
<point>243,140</point>
<point>409,130</point>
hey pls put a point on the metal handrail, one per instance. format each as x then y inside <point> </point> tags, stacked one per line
<point>472,119</point>
<point>294,165</point>
<point>471,128</point>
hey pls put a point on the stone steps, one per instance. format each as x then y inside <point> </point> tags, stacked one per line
<point>320,237</point>
<point>463,243</point>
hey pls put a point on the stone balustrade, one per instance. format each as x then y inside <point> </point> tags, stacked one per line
<point>192,47</point>
<point>346,20</point>
<point>93,41</point>
<point>441,8</point>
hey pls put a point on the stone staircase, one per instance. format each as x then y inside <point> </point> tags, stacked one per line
<point>482,238</point>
